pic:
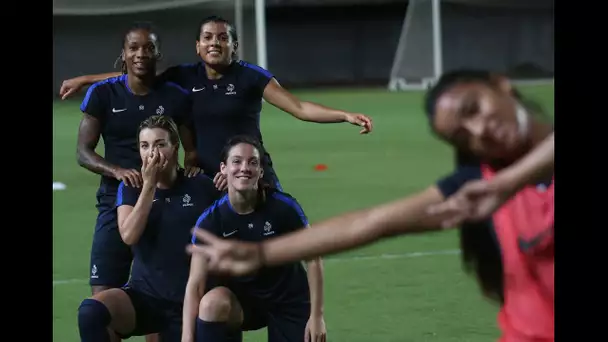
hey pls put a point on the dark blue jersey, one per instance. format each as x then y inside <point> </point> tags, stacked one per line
<point>120,113</point>
<point>160,263</point>
<point>279,214</point>
<point>222,108</point>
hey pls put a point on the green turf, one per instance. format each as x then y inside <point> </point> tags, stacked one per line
<point>425,298</point>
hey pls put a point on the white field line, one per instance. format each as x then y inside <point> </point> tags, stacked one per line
<point>327,261</point>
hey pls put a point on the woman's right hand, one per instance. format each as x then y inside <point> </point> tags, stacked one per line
<point>152,165</point>
<point>227,257</point>
<point>71,86</point>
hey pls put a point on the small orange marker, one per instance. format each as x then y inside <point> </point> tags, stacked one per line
<point>320,167</point>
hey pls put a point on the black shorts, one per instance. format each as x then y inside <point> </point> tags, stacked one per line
<point>285,323</point>
<point>110,257</point>
<point>155,315</point>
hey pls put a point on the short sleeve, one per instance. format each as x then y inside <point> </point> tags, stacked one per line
<point>93,103</point>
<point>295,218</point>
<point>126,195</point>
<point>209,221</point>
<point>452,183</point>
<point>261,77</point>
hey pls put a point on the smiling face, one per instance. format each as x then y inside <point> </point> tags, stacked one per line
<point>242,167</point>
<point>140,52</point>
<point>216,44</point>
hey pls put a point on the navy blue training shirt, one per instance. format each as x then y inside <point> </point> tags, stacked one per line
<point>222,108</point>
<point>279,214</point>
<point>120,112</point>
<point>160,263</point>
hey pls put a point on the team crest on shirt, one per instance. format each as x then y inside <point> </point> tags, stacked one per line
<point>160,110</point>
<point>186,201</point>
<point>268,229</point>
<point>141,107</point>
<point>230,89</point>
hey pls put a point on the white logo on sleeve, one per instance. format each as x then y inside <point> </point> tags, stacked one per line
<point>94,272</point>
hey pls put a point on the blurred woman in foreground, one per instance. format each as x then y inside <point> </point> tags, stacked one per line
<point>492,128</point>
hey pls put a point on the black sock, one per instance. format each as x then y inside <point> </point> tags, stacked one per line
<point>93,321</point>
<point>215,332</point>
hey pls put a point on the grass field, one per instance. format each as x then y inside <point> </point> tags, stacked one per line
<point>407,289</point>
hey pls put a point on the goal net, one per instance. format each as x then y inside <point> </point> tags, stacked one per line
<point>514,37</point>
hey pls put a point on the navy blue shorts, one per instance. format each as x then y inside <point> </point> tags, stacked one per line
<point>154,315</point>
<point>285,322</point>
<point>111,258</point>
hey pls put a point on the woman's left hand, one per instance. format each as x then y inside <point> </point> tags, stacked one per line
<point>315,329</point>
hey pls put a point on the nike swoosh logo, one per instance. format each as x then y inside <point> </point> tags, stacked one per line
<point>114,110</point>
<point>231,233</point>
<point>154,200</point>
<point>197,90</point>
<point>526,245</point>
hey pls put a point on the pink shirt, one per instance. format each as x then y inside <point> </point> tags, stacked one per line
<point>524,227</point>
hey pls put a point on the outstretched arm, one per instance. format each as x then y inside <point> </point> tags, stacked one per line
<point>73,85</point>
<point>309,111</point>
<point>331,236</point>
<point>355,229</point>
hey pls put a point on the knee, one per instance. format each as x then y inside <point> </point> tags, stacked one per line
<point>93,313</point>
<point>216,305</point>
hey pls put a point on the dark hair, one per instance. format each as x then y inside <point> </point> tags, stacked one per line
<point>450,79</point>
<point>217,19</point>
<point>162,122</point>
<point>246,139</point>
<point>241,139</point>
<point>140,25</point>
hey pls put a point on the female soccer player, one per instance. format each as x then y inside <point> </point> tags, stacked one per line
<point>286,299</point>
<point>227,97</point>
<point>483,117</point>
<point>155,221</point>
<point>113,109</point>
